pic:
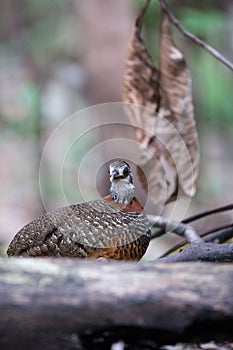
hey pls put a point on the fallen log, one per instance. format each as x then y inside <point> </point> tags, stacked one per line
<point>54,303</point>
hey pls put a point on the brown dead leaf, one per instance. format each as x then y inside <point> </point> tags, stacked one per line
<point>181,136</point>
<point>141,95</point>
<point>164,126</point>
<point>140,86</point>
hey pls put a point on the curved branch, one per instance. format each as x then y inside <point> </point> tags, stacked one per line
<point>220,235</point>
<point>210,252</point>
<point>176,227</point>
<point>193,38</point>
<point>195,217</point>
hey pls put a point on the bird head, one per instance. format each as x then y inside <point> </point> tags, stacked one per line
<point>121,178</point>
<point>120,170</point>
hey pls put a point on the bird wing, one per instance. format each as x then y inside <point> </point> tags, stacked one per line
<point>77,229</point>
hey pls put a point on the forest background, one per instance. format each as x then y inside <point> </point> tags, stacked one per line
<point>58,57</point>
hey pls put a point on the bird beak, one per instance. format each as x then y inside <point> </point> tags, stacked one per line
<point>115,174</point>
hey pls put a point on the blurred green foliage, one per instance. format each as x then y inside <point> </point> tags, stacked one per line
<point>201,22</point>
<point>3,250</point>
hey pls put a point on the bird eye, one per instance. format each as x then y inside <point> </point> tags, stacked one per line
<point>126,171</point>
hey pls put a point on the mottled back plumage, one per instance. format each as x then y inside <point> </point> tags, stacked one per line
<point>93,229</point>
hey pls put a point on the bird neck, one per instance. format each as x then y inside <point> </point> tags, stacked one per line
<point>122,192</point>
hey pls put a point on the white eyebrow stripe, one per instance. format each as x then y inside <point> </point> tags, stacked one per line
<point>111,168</point>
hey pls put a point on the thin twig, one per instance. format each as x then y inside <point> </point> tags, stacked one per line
<point>208,212</point>
<point>195,39</point>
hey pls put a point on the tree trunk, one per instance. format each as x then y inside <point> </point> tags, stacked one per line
<point>105,28</point>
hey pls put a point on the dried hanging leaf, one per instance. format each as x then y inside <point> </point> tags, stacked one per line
<point>140,86</point>
<point>141,95</point>
<point>164,129</point>
<point>181,136</point>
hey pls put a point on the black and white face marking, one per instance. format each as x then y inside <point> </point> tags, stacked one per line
<point>122,188</point>
<point>120,170</point>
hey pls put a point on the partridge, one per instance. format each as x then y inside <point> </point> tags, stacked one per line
<point>114,227</point>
